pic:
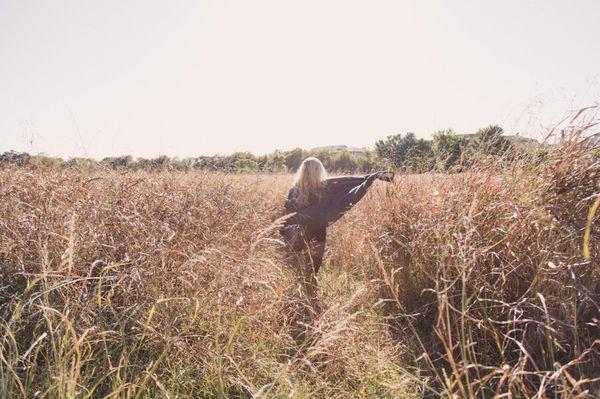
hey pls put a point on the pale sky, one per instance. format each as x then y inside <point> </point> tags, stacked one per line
<point>185,78</point>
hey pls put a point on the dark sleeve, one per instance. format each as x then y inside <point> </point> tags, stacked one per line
<point>290,205</point>
<point>348,193</point>
<point>335,185</point>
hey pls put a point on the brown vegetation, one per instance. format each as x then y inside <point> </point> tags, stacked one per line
<point>174,284</point>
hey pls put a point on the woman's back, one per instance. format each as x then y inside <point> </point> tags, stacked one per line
<point>293,203</point>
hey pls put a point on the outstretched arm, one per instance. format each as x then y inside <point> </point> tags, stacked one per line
<point>350,191</point>
<point>342,183</point>
<point>343,200</point>
<point>341,194</point>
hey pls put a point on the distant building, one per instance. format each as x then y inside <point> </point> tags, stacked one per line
<point>334,149</point>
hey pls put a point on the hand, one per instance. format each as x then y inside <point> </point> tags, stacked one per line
<point>386,176</point>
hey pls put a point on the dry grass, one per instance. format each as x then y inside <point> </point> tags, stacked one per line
<point>167,285</point>
<point>483,275</point>
<point>175,285</point>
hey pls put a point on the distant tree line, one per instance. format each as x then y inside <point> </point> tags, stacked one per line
<point>239,162</point>
<point>447,152</point>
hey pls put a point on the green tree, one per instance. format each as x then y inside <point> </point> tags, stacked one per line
<point>142,164</point>
<point>42,161</point>
<point>82,163</point>
<point>344,162</point>
<point>419,158</point>
<point>160,163</point>
<point>185,164</point>
<point>242,162</point>
<point>490,141</point>
<point>262,161</point>
<point>246,165</point>
<point>276,163</point>
<point>406,152</point>
<point>325,157</point>
<point>447,148</point>
<point>294,158</point>
<point>368,162</point>
<point>15,158</point>
<point>120,162</point>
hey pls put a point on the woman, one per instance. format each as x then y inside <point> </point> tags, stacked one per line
<point>316,202</point>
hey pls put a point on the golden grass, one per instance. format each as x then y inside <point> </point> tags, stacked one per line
<point>171,284</point>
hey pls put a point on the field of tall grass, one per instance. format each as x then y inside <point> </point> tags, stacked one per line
<point>175,285</point>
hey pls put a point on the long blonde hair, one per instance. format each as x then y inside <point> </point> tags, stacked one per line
<point>309,178</point>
